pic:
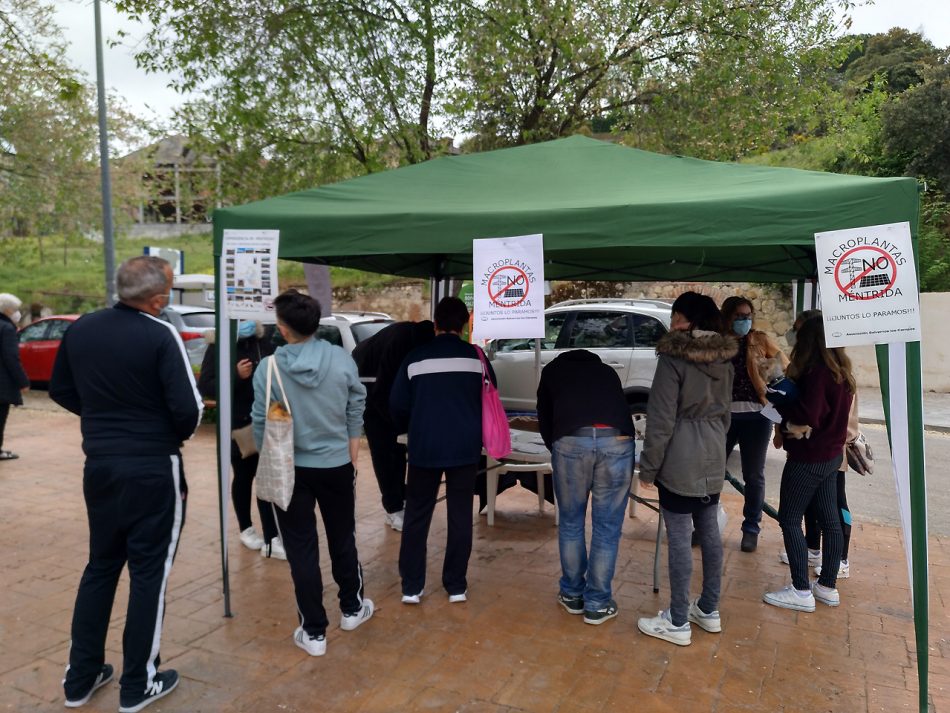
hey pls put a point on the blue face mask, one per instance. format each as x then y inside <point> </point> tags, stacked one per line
<point>742,326</point>
<point>246,328</point>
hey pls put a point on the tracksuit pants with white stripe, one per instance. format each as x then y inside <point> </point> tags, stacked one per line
<point>136,509</point>
<point>333,489</point>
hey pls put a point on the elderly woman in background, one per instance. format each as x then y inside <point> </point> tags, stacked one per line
<point>13,380</point>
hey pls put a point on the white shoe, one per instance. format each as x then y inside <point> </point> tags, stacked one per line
<point>814,557</point>
<point>395,520</point>
<point>454,598</point>
<point>412,598</point>
<point>250,539</point>
<point>844,570</point>
<point>661,627</point>
<point>790,598</point>
<point>275,550</point>
<point>709,622</point>
<point>826,595</point>
<point>313,645</point>
<point>348,622</point>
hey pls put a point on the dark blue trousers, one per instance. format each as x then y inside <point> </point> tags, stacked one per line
<point>136,509</point>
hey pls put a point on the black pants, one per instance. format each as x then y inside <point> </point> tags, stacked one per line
<point>422,489</point>
<point>752,432</point>
<point>813,530</point>
<point>4,412</point>
<point>389,459</point>
<point>802,482</point>
<point>333,489</point>
<point>244,471</point>
<point>136,508</point>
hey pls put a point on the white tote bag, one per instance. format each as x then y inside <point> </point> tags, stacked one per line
<point>275,469</point>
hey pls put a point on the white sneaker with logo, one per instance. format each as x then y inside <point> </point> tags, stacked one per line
<point>274,550</point>
<point>395,520</point>
<point>790,598</point>
<point>844,570</point>
<point>826,595</point>
<point>313,645</point>
<point>251,539</point>
<point>348,622</point>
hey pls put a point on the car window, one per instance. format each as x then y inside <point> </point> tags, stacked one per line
<point>600,330</point>
<point>552,328</point>
<point>198,320</point>
<point>647,331</point>
<point>365,330</point>
<point>34,333</point>
<point>330,334</point>
<point>57,328</point>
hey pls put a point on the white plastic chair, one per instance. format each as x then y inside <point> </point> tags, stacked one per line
<point>497,469</point>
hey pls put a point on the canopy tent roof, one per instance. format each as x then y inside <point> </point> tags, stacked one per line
<point>607,212</point>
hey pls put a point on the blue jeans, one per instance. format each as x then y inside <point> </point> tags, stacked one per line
<point>596,468</point>
<point>753,433</point>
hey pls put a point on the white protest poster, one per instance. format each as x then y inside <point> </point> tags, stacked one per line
<point>868,283</point>
<point>509,287</point>
<point>249,261</point>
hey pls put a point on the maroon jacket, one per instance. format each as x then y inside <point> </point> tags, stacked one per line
<point>823,405</point>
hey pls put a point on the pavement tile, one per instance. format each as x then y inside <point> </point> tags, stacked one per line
<point>509,649</point>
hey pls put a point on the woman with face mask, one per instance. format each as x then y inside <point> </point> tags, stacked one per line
<point>749,429</point>
<point>252,346</point>
<point>13,380</point>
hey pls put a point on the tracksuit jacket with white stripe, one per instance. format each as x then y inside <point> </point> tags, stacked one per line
<point>437,400</point>
<point>125,409</point>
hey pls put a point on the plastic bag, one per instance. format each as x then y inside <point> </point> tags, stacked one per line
<point>275,469</point>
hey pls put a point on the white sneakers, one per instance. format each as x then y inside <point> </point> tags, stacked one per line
<point>709,622</point>
<point>395,520</point>
<point>826,595</point>
<point>661,627</point>
<point>455,598</point>
<point>844,570</point>
<point>348,622</point>
<point>412,598</point>
<point>275,550</point>
<point>250,539</point>
<point>791,598</point>
<point>313,645</point>
<point>814,557</point>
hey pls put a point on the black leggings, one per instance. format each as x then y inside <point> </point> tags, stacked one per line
<point>813,530</point>
<point>4,412</point>
<point>244,471</point>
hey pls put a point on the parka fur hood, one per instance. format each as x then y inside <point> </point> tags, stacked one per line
<point>698,346</point>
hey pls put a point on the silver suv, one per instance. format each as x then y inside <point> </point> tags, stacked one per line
<point>347,329</point>
<point>622,332</point>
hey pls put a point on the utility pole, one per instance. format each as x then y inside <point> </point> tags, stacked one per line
<point>108,242</point>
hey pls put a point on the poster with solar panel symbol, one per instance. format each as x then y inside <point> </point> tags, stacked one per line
<point>509,295</point>
<point>868,285</point>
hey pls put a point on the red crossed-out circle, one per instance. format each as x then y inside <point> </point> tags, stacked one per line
<point>518,277</point>
<point>881,260</point>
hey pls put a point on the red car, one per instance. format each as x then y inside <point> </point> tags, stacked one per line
<point>39,343</point>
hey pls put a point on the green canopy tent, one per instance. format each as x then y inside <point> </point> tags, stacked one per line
<point>608,212</point>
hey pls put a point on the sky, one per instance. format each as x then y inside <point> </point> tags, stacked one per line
<point>150,96</point>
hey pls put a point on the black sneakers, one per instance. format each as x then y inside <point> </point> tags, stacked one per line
<point>163,684</point>
<point>105,675</point>
<point>574,605</point>
<point>599,616</point>
<point>749,542</point>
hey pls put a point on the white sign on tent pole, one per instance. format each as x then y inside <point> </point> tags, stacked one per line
<point>868,284</point>
<point>249,258</point>
<point>509,287</point>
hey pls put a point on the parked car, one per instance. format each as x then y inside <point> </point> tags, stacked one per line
<point>622,332</point>
<point>192,323</point>
<point>347,329</point>
<point>39,344</point>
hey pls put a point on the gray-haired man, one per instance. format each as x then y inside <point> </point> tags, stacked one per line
<point>126,374</point>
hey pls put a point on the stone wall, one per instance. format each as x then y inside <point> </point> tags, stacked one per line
<point>401,301</point>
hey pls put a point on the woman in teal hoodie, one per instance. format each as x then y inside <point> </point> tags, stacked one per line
<point>326,399</point>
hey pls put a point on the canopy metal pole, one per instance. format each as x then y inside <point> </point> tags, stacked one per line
<point>108,243</point>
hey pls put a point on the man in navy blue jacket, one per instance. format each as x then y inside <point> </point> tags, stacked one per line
<point>436,397</point>
<point>126,374</point>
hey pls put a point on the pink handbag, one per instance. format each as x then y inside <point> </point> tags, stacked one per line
<point>496,437</point>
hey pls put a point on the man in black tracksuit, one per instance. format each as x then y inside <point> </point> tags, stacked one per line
<point>437,397</point>
<point>378,359</point>
<point>126,374</point>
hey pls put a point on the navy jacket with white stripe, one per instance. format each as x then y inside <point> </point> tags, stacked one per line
<point>126,374</point>
<point>437,400</point>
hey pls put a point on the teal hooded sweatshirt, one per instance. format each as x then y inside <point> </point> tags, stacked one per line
<point>326,401</point>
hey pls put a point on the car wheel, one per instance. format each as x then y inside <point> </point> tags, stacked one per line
<point>638,414</point>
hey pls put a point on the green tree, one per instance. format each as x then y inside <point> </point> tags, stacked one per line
<point>900,55</point>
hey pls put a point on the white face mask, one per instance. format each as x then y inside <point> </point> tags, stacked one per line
<point>16,317</point>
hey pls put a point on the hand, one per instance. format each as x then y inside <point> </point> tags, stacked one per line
<point>244,368</point>
<point>648,486</point>
<point>24,389</point>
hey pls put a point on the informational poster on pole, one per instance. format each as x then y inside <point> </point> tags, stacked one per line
<point>868,282</point>
<point>509,293</point>
<point>249,260</point>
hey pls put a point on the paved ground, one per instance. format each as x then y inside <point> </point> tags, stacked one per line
<point>510,648</point>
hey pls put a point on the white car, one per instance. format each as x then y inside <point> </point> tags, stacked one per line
<point>347,329</point>
<point>192,323</point>
<point>622,332</point>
